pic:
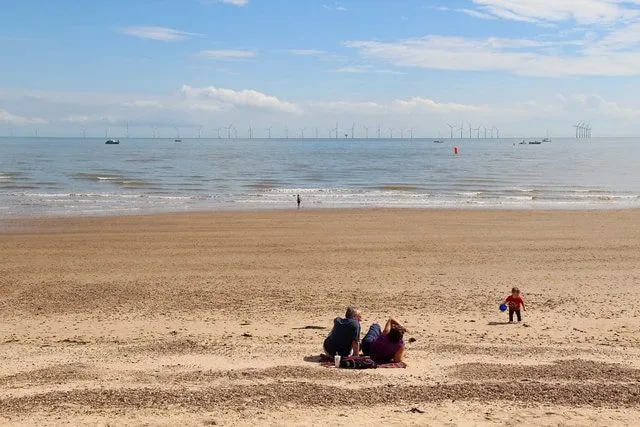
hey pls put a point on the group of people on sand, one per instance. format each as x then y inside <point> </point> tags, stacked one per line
<point>386,345</point>
<point>382,345</point>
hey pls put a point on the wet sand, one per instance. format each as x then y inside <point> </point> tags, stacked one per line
<point>203,319</point>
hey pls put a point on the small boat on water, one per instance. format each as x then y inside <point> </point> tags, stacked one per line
<point>112,141</point>
<point>438,141</point>
<point>535,142</point>
<point>546,140</point>
<point>177,140</point>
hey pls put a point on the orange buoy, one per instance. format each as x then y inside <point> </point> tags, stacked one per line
<point>455,150</point>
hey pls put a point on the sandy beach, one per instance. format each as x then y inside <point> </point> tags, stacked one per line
<point>213,318</point>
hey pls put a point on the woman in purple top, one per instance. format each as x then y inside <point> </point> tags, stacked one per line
<point>385,345</point>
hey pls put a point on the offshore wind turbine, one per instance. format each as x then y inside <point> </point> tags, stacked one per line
<point>411,133</point>
<point>229,131</point>
<point>577,126</point>
<point>286,132</point>
<point>301,133</point>
<point>451,127</point>
<point>316,133</point>
<point>391,133</point>
<point>461,128</point>
<point>378,131</point>
<point>366,132</point>
<point>269,132</point>
<point>353,130</point>
<point>250,132</point>
<point>336,130</point>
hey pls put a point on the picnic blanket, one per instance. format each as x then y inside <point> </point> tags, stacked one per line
<point>327,361</point>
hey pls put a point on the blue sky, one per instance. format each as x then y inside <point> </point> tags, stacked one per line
<point>523,66</point>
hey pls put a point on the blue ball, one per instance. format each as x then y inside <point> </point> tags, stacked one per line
<point>503,307</point>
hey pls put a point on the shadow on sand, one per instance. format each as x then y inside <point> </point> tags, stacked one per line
<point>498,323</point>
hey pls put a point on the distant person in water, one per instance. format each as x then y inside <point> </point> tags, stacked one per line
<point>299,200</point>
<point>385,345</point>
<point>345,335</point>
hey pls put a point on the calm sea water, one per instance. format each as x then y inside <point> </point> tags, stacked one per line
<point>58,176</point>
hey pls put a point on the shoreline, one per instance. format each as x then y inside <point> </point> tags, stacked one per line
<point>9,223</point>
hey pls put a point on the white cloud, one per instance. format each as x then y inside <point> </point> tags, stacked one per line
<point>144,104</point>
<point>156,33</point>
<point>580,11</point>
<point>431,105</point>
<point>240,3</point>
<point>244,98</point>
<point>227,54</point>
<point>596,106</point>
<point>476,14</point>
<point>470,12</point>
<point>13,119</point>
<point>519,56</point>
<point>92,119</point>
<point>213,107</point>
<point>335,6</point>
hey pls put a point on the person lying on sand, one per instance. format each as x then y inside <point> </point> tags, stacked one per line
<point>345,335</point>
<point>385,345</point>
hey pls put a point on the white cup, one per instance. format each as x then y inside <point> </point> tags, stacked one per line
<point>337,359</point>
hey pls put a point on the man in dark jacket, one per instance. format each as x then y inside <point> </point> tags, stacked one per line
<point>345,336</point>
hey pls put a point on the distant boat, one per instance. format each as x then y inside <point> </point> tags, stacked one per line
<point>546,140</point>
<point>177,140</point>
<point>523,142</point>
<point>438,141</point>
<point>535,142</point>
<point>112,141</point>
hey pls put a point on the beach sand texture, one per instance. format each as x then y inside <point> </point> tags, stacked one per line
<point>203,319</point>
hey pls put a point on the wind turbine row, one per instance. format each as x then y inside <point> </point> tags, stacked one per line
<point>230,131</point>
<point>487,131</point>
<point>583,130</point>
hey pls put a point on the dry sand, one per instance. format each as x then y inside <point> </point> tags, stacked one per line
<point>200,319</point>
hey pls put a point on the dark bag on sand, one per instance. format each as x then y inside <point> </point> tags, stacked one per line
<point>357,363</point>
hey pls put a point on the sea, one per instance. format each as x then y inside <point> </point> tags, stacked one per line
<point>78,176</point>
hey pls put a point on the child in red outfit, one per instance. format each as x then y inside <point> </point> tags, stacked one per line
<point>515,301</point>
